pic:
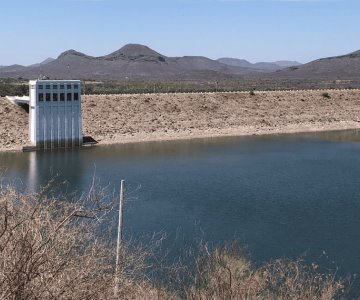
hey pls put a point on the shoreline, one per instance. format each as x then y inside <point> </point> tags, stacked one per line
<point>123,119</point>
<point>238,132</point>
<point>232,133</point>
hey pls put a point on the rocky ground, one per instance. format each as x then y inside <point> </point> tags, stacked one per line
<point>134,118</point>
<point>13,126</point>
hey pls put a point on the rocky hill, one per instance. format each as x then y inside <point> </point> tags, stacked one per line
<point>130,62</point>
<point>138,62</point>
<point>332,68</point>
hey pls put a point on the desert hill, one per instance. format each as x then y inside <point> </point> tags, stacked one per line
<point>132,61</point>
<point>139,62</point>
<point>337,67</point>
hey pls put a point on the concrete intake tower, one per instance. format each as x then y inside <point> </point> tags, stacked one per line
<point>55,114</point>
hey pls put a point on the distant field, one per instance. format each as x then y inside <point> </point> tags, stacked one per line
<point>20,86</point>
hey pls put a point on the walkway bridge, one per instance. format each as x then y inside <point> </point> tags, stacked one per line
<point>23,101</point>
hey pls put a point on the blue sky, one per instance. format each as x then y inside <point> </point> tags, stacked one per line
<point>256,30</point>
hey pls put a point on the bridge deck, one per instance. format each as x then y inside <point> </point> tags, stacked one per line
<point>19,100</point>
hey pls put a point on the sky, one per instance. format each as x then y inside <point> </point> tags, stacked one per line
<point>256,30</point>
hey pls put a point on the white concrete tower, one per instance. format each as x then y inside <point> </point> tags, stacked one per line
<point>55,114</point>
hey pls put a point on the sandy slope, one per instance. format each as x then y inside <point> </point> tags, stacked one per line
<point>13,126</point>
<point>114,119</point>
<point>133,118</point>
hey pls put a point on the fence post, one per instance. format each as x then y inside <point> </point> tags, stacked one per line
<point>119,240</point>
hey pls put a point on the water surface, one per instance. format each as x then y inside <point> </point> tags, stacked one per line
<point>280,195</point>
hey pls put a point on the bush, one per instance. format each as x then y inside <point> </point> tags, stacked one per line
<point>49,249</point>
<point>326,95</point>
<point>227,274</point>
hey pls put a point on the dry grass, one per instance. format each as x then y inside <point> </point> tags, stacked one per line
<point>227,274</point>
<point>51,248</point>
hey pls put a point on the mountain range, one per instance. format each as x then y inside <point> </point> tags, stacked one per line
<point>135,61</point>
<point>260,66</point>
<point>332,68</point>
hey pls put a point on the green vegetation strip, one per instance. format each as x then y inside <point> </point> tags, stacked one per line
<point>20,86</point>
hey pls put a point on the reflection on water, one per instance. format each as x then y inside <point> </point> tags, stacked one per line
<point>32,179</point>
<point>69,165</point>
<point>281,195</point>
<point>58,166</point>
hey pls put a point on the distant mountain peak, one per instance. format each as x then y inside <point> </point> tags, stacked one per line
<point>135,49</point>
<point>72,52</point>
<point>133,52</point>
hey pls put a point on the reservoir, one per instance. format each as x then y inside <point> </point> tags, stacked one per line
<point>292,195</point>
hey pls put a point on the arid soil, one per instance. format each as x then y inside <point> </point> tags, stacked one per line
<point>133,118</point>
<point>14,126</point>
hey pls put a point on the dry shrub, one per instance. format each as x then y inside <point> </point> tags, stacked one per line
<point>227,274</point>
<point>326,95</point>
<point>286,279</point>
<point>50,249</point>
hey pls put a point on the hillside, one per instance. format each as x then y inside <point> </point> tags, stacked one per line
<point>139,62</point>
<point>335,68</point>
<point>132,61</point>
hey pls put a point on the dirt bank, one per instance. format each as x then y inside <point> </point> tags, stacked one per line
<point>133,118</point>
<point>13,126</point>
